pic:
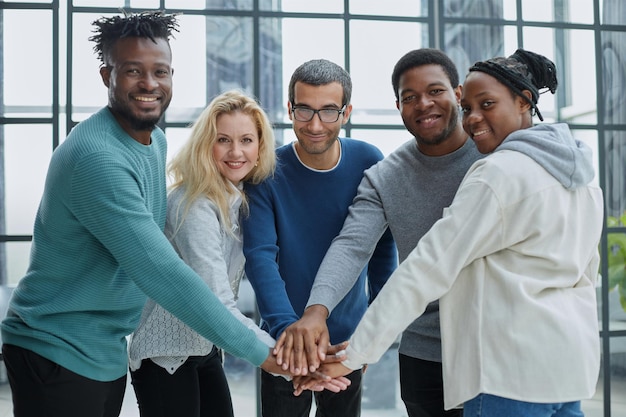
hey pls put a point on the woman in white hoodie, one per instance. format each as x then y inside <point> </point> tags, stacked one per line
<point>514,260</point>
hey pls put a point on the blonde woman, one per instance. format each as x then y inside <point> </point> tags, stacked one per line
<point>174,370</point>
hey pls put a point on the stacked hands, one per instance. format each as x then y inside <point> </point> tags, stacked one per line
<point>304,352</point>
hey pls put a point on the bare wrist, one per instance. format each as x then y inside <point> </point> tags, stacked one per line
<point>317,310</point>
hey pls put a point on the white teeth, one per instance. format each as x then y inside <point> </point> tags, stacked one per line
<point>146,99</point>
<point>235,164</point>
<point>430,119</point>
<point>480,132</point>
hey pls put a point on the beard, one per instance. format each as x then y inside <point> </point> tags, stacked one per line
<point>137,121</point>
<point>147,124</point>
<point>318,148</point>
<point>445,133</point>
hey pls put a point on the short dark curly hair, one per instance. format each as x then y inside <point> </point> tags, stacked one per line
<point>152,25</point>
<point>420,57</point>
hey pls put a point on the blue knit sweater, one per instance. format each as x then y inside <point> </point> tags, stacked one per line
<point>293,219</point>
<point>99,248</point>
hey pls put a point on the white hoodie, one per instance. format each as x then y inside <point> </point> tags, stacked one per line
<point>514,262</point>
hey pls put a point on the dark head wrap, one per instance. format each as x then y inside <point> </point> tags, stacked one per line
<point>524,70</point>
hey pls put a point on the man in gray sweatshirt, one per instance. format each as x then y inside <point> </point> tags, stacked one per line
<point>406,192</point>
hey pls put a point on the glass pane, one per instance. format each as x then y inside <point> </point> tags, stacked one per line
<point>136,4</point>
<point>271,69</point>
<point>373,98</point>
<point>17,257</point>
<point>616,258</point>
<point>186,4</point>
<point>576,94</point>
<point>381,387</point>
<point>242,380</point>
<point>577,11</point>
<point>574,11</point>
<point>98,3</point>
<point>537,10</point>
<point>28,76</point>
<point>614,76</point>
<point>466,44</point>
<point>29,148</point>
<point>543,41</point>
<point>318,6</point>
<point>88,92</point>
<point>144,4</point>
<point>615,160</point>
<point>618,375</point>
<point>287,136</point>
<point>210,4</point>
<point>617,298</point>
<point>509,10</point>
<point>229,55</point>
<point>473,8</point>
<point>613,12</point>
<point>298,46</point>
<point>176,138</point>
<point>416,8</point>
<point>590,138</point>
<point>511,40</point>
<point>241,375</point>
<point>189,60</point>
<point>385,140</point>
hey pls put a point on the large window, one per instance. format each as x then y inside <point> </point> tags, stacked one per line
<point>49,81</point>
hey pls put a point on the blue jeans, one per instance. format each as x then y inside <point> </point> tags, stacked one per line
<point>277,399</point>
<point>485,405</point>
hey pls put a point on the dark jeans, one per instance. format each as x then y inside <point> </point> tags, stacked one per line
<point>277,399</point>
<point>421,387</point>
<point>197,389</point>
<point>40,387</point>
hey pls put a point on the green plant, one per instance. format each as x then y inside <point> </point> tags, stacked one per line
<point>617,258</point>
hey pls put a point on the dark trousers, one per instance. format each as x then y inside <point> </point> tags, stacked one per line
<point>42,388</point>
<point>277,399</point>
<point>197,389</point>
<point>421,387</point>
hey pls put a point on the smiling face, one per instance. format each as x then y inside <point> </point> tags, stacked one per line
<point>138,75</point>
<point>316,138</point>
<point>236,148</point>
<point>428,105</point>
<point>491,111</point>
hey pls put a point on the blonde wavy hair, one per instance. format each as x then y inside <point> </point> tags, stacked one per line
<point>194,167</point>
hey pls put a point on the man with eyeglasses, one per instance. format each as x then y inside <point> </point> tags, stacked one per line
<point>292,221</point>
<point>407,193</point>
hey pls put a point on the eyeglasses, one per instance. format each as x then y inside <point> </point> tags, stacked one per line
<point>305,114</point>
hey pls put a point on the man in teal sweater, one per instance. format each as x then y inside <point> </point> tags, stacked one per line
<point>98,244</point>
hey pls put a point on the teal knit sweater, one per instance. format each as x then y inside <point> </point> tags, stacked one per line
<point>98,249</point>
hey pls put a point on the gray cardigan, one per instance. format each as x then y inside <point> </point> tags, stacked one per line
<point>218,258</point>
